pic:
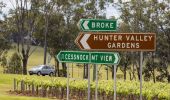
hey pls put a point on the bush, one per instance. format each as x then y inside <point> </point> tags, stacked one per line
<point>14,65</point>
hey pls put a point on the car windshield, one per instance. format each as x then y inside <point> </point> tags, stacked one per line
<point>39,66</point>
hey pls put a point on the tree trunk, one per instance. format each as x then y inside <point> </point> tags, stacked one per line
<point>85,71</point>
<point>24,61</point>
<point>112,71</point>
<point>57,67</point>
<point>125,72</point>
<point>138,73</point>
<point>87,68</point>
<point>138,70</point>
<point>133,72</point>
<point>64,69</point>
<point>94,72</point>
<point>18,43</point>
<point>107,72</point>
<point>131,77</point>
<point>168,78</point>
<point>153,73</point>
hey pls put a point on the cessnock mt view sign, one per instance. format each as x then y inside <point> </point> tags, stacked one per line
<point>88,57</point>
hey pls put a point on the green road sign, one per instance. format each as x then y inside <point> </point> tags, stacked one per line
<point>97,25</point>
<point>104,58</point>
<point>88,57</point>
<point>73,56</point>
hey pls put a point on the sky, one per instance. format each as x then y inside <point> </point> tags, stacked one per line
<point>8,6</point>
<point>110,11</point>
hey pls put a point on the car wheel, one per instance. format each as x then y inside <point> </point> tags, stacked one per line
<point>31,74</point>
<point>38,73</point>
<point>51,74</point>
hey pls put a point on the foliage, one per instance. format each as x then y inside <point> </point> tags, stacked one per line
<point>3,60</point>
<point>150,68</point>
<point>21,23</point>
<point>124,88</point>
<point>5,45</point>
<point>149,16</point>
<point>125,62</point>
<point>14,65</point>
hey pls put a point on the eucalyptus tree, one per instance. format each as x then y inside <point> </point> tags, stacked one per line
<point>62,28</point>
<point>163,46</point>
<point>131,17</point>
<point>148,16</point>
<point>22,21</point>
<point>94,9</point>
<point>133,63</point>
<point>125,63</point>
<point>5,43</point>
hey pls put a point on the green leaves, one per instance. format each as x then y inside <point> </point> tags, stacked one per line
<point>124,88</point>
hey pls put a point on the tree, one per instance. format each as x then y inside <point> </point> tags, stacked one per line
<point>5,44</point>
<point>148,16</point>
<point>125,63</point>
<point>62,26</point>
<point>61,30</point>
<point>92,10</point>
<point>150,68</point>
<point>23,22</point>
<point>130,58</point>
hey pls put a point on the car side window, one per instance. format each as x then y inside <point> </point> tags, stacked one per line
<point>48,67</point>
<point>44,67</point>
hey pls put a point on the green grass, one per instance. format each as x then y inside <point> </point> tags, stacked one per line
<point>6,84</point>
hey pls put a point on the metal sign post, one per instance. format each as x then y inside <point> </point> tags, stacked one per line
<point>96,92</point>
<point>115,82</point>
<point>88,81</point>
<point>67,82</point>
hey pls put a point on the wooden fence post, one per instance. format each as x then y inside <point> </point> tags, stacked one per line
<point>14,84</point>
<point>37,90</point>
<point>22,86</point>
<point>32,88</point>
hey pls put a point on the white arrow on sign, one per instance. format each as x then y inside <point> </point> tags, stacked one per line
<point>85,25</point>
<point>117,58</point>
<point>83,41</point>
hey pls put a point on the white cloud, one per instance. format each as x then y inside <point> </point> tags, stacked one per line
<point>10,4</point>
<point>111,11</point>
